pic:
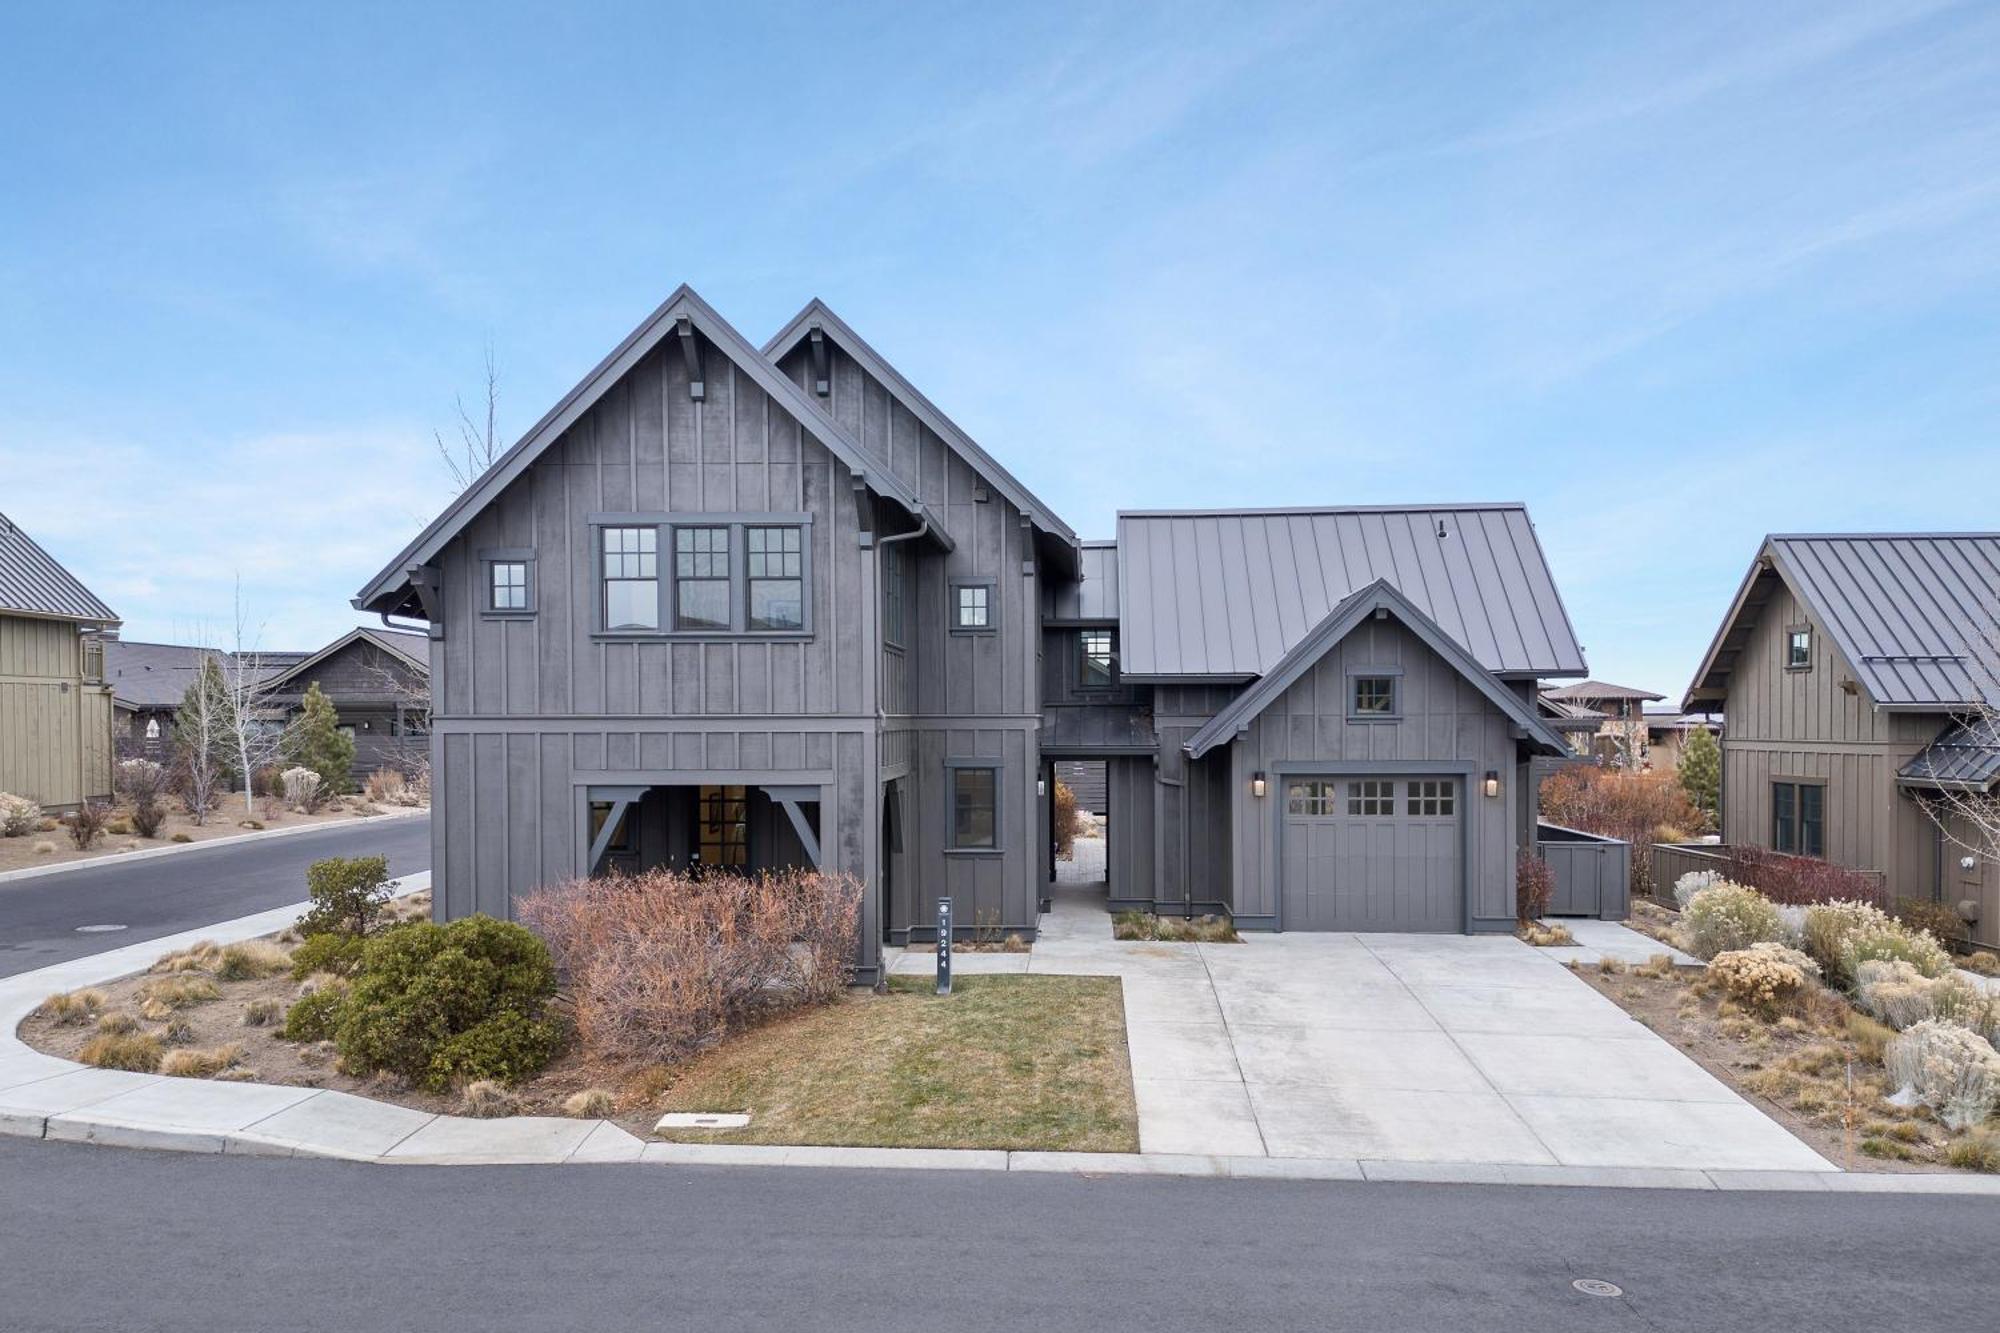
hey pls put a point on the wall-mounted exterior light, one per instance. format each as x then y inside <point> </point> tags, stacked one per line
<point>1041,786</point>
<point>1492,782</point>
<point>1257,785</point>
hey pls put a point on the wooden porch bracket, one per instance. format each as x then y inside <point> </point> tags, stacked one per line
<point>691,354</point>
<point>822,378</point>
<point>621,799</point>
<point>789,799</point>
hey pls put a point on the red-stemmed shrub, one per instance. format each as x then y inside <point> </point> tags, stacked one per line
<point>1800,881</point>
<point>661,965</point>
<point>1618,803</point>
<point>1534,886</point>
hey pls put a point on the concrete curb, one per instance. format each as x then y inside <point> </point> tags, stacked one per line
<point>44,1097</point>
<point>149,853</point>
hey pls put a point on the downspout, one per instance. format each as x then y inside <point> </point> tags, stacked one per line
<point>921,530</point>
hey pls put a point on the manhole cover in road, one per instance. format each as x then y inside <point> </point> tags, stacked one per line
<point>1591,1286</point>
<point>96,930</point>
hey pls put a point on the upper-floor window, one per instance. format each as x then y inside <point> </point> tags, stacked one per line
<point>1798,648</point>
<point>895,596</point>
<point>93,659</point>
<point>777,578</point>
<point>631,578</point>
<point>701,578</point>
<point>972,610</point>
<point>1372,697</point>
<point>1798,818</point>
<point>726,574</point>
<point>1098,666</point>
<point>508,580</point>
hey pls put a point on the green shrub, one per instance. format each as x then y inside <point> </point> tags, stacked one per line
<point>1724,917</point>
<point>1827,927</point>
<point>317,742</point>
<point>444,1004</point>
<point>347,894</point>
<point>337,952</point>
<point>314,1017</point>
<point>1891,942</point>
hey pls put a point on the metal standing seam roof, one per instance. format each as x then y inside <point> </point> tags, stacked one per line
<point>1901,607</point>
<point>1964,754</point>
<point>1598,689</point>
<point>1224,594</point>
<point>1094,594</point>
<point>34,584</point>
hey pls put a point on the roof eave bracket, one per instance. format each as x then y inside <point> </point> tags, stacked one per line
<point>691,355</point>
<point>822,376</point>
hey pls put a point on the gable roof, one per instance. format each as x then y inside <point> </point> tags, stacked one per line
<point>1898,607</point>
<point>817,312</point>
<point>1224,594</point>
<point>1338,624</point>
<point>413,650</point>
<point>385,591</point>
<point>1597,689</point>
<point>1567,715</point>
<point>32,583</point>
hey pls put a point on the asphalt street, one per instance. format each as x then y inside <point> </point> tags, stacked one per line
<point>40,917</point>
<point>105,1238</point>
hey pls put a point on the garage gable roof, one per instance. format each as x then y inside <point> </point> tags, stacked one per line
<point>1381,595</point>
<point>385,591</point>
<point>1224,594</point>
<point>818,314</point>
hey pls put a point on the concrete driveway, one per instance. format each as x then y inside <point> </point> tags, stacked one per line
<point>1424,1048</point>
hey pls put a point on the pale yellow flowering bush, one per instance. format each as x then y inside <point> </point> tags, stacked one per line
<point>1827,927</point>
<point>1950,1069</point>
<point>1726,916</point>
<point>1894,991</point>
<point>1764,976</point>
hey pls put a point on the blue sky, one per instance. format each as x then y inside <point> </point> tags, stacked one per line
<point>1675,275</point>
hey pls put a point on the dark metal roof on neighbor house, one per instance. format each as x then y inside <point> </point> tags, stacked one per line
<point>33,584</point>
<point>1899,607</point>
<point>1597,689</point>
<point>412,649</point>
<point>1568,715</point>
<point>1381,595</point>
<point>1094,594</point>
<point>1965,755</point>
<point>1224,594</point>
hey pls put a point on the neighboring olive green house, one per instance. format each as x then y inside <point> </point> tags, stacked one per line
<point>55,709</point>
<point>1847,674</point>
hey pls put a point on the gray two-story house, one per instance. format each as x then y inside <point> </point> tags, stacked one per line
<point>741,606</point>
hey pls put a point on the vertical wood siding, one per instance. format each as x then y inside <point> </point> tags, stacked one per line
<point>55,731</point>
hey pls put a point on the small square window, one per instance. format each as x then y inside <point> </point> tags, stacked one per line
<point>1306,796</point>
<point>1371,797</point>
<point>509,585</point>
<point>972,607</point>
<point>1432,797</point>
<point>1374,696</point>
<point>1798,648</point>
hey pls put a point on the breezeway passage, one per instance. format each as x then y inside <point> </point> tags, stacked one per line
<point>1415,1048</point>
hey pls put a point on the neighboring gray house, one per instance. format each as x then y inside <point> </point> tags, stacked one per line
<point>1846,673</point>
<point>1621,736</point>
<point>740,606</point>
<point>378,681</point>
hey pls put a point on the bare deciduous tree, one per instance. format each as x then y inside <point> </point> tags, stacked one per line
<point>478,441</point>
<point>201,739</point>
<point>255,731</point>
<point>411,752</point>
<point>1962,794</point>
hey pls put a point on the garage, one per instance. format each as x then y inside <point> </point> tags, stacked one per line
<point>1373,854</point>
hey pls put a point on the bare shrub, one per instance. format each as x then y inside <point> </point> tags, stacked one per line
<point>303,789</point>
<point>662,964</point>
<point>1534,886</point>
<point>85,824</point>
<point>1062,826</point>
<point>143,784</point>
<point>1802,880</point>
<point>1621,803</point>
<point>19,816</point>
<point>386,786</point>
<point>1953,1071</point>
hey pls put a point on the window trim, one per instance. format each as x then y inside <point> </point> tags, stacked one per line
<point>1394,675</point>
<point>666,566</point>
<point>1798,823</point>
<point>1807,630</point>
<point>999,770</point>
<point>896,573</point>
<point>1110,683</point>
<point>507,555</point>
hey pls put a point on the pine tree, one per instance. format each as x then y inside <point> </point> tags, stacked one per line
<point>1701,770</point>
<point>317,742</point>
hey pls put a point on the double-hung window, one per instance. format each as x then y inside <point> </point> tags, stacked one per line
<point>631,578</point>
<point>701,578</point>
<point>1798,818</point>
<point>1798,648</point>
<point>776,572</point>
<point>724,574</point>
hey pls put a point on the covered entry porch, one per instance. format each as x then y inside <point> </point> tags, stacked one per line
<point>721,825</point>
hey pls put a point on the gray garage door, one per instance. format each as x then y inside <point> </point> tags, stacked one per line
<point>1373,854</point>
